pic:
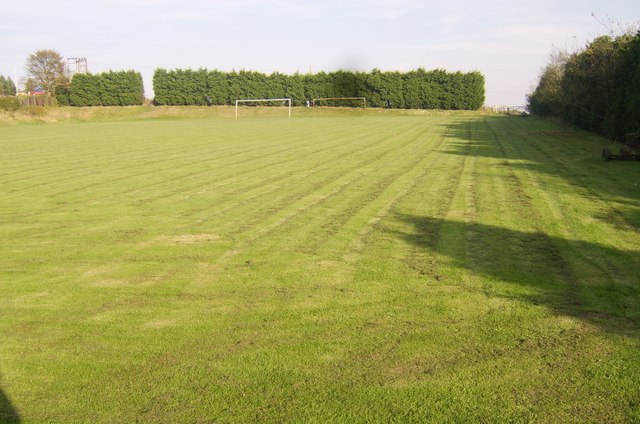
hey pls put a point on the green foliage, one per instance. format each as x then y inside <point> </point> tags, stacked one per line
<point>85,90</point>
<point>546,99</point>
<point>11,89</point>
<point>315,85</point>
<point>588,85</point>
<point>385,89</point>
<point>597,89</point>
<point>472,91</point>
<point>294,89</point>
<point>626,110</point>
<point>418,89</point>
<point>45,69</point>
<point>217,87</point>
<point>7,86</point>
<point>9,103</point>
<point>62,96</point>
<point>123,88</point>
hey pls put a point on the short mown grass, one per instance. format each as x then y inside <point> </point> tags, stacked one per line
<point>334,267</point>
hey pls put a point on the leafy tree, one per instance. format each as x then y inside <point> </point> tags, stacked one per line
<point>627,82</point>
<point>11,89</point>
<point>588,84</point>
<point>597,89</point>
<point>7,87</point>
<point>547,99</point>
<point>45,69</point>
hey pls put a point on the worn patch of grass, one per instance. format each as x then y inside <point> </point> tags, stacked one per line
<point>336,267</point>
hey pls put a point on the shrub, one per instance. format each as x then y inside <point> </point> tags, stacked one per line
<point>36,111</point>
<point>9,103</point>
<point>122,88</point>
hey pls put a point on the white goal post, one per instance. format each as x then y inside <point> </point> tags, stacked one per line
<point>313,101</point>
<point>262,100</point>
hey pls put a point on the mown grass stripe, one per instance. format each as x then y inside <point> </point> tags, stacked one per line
<point>410,267</point>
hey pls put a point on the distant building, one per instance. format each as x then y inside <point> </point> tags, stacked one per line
<point>38,91</point>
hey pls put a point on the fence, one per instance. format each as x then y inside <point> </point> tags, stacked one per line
<point>37,100</point>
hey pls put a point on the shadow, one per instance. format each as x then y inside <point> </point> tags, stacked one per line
<point>594,283</point>
<point>549,148</point>
<point>8,414</point>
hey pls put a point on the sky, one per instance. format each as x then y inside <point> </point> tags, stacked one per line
<point>508,41</point>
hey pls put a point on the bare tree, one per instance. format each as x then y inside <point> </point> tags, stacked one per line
<point>617,29</point>
<point>45,68</point>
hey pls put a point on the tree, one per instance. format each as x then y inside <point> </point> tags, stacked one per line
<point>596,89</point>
<point>547,98</point>
<point>7,87</point>
<point>45,69</point>
<point>627,106</point>
<point>10,87</point>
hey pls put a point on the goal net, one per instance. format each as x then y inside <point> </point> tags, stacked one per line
<point>267,102</point>
<point>346,101</point>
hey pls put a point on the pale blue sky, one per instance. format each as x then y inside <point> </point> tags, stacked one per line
<point>508,41</point>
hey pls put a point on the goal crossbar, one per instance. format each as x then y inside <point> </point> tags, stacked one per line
<point>262,100</point>
<point>364,99</point>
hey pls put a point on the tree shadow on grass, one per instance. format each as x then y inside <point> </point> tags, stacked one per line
<point>8,414</point>
<point>565,152</point>
<point>594,283</point>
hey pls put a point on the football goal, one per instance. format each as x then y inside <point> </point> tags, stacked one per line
<point>351,100</point>
<point>280,101</point>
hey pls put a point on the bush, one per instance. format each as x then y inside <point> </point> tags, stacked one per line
<point>62,96</point>
<point>36,111</point>
<point>85,90</point>
<point>9,103</point>
<point>123,88</point>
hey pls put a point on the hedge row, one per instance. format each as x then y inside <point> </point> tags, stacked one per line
<point>417,89</point>
<point>597,89</point>
<point>123,88</point>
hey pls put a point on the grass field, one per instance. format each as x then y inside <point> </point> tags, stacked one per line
<point>342,267</point>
